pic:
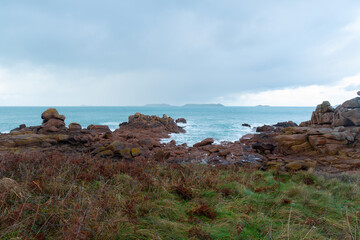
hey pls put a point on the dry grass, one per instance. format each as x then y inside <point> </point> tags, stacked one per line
<point>56,196</point>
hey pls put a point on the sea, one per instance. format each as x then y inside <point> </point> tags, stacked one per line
<point>220,123</point>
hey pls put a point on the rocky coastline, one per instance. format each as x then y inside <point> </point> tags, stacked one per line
<point>329,141</point>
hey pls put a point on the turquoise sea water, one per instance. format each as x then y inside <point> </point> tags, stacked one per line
<point>220,123</point>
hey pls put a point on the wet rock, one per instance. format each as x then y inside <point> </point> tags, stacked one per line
<point>181,120</point>
<point>207,141</point>
<point>265,128</point>
<point>286,124</point>
<point>246,125</point>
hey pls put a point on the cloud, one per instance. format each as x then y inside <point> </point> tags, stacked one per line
<point>137,52</point>
<point>300,96</point>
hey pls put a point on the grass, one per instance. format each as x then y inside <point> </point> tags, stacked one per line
<point>58,196</point>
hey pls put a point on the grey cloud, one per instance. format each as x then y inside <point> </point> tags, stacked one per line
<point>179,51</point>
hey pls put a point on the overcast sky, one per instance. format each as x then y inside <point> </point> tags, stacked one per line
<point>135,52</point>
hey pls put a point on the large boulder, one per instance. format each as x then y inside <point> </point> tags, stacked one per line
<point>52,113</point>
<point>347,114</point>
<point>324,114</point>
<point>52,121</point>
<point>53,125</point>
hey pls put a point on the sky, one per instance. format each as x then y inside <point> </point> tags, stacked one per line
<point>136,52</point>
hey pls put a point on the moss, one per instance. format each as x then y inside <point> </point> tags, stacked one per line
<point>135,152</point>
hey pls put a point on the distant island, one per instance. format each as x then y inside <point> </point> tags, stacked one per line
<point>186,105</point>
<point>262,106</point>
<point>159,105</point>
<point>204,105</point>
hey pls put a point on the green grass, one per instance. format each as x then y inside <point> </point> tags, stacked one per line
<point>80,197</point>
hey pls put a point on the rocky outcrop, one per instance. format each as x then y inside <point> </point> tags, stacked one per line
<point>329,141</point>
<point>140,121</point>
<point>52,121</point>
<point>347,114</point>
<point>323,115</point>
<point>286,124</point>
<point>181,120</point>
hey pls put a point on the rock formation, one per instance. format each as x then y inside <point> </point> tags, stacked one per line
<point>329,141</point>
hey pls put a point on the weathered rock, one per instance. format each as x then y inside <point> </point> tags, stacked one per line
<point>99,128</point>
<point>126,153</point>
<point>140,121</point>
<point>286,124</point>
<point>305,123</point>
<point>352,103</point>
<point>74,127</point>
<point>273,165</point>
<point>324,114</point>
<point>116,147</point>
<point>295,166</point>
<point>180,120</point>
<point>21,127</point>
<point>265,128</point>
<point>262,147</point>
<point>52,113</point>
<point>53,125</point>
<point>207,141</point>
<point>135,152</point>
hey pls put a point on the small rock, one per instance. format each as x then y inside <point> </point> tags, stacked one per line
<point>74,126</point>
<point>265,128</point>
<point>358,93</point>
<point>207,141</point>
<point>99,128</point>
<point>294,166</point>
<point>180,120</point>
<point>246,125</point>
